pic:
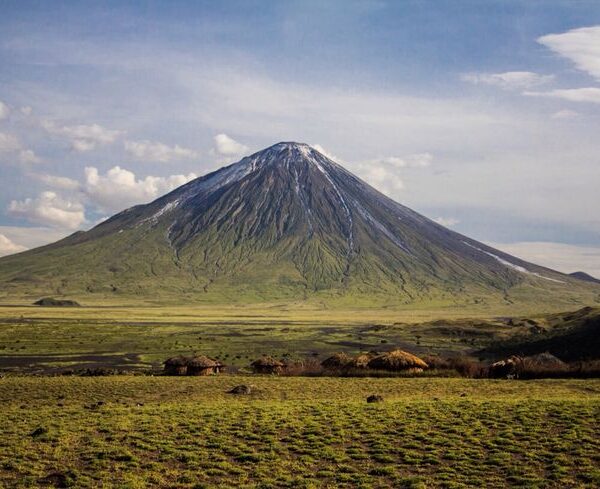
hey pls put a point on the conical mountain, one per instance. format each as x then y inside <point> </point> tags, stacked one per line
<point>286,223</point>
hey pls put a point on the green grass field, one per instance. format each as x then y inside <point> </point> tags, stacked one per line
<point>137,432</point>
<point>45,338</point>
<point>186,432</point>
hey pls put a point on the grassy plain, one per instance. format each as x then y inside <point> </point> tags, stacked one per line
<point>137,432</point>
<point>135,336</point>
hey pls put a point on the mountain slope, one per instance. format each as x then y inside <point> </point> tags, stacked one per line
<point>585,277</point>
<point>286,223</point>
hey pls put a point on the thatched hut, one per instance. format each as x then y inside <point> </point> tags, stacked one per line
<point>202,365</point>
<point>176,365</point>
<point>338,361</point>
<point>362,360</point>
<point>267,365</point>
<point>397,360</point>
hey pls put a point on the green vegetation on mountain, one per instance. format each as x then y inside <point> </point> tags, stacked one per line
<point>285,224</point>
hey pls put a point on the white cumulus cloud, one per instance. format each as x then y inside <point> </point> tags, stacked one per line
<point>58,182</point>
<point>447,221</point>
<point>7,247</point>
<point>155,151</point>
<point>82,137</point>
<point>120,188</point>
<point>383,173</point>
<point>49,209</point>
<point>4,110</point>
<point>565,114</point>
<point>382,179</point>
<point>226,146</point>
<point>587,94</point>
<point>581,46</point>
<point>509,80</point>
<point>28,156</point>
<point>8,143</point>
<point>324,152</point>
<point>418,160</point>
<point>33,236</point>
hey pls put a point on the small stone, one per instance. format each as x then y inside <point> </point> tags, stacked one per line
<point>241,390</point>
<point>40,430</point>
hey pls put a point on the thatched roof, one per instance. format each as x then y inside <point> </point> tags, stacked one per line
<point>267,362</point>
<point>178,361</point>
<point>202,361</point>
<point>397,360</point>
<point>338,360</point>
<point>362,360</point>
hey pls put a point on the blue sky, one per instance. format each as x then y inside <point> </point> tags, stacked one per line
<point>483,115</point>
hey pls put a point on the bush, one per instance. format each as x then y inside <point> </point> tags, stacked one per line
<point>575,370</point>
<point>463,366</point>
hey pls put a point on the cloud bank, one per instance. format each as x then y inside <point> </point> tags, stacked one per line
<point>510,80</point>
<point>49,209</point>
<point>82,137</point>
<point>155,151</point>
<point>581,46</point>
<point>558,256</point>
<point>7,247</point>
<point>119,188</point>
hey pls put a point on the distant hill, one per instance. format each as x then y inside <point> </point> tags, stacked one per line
<point>570,337</point>
<point>284,224</point>
<point>585,277</point>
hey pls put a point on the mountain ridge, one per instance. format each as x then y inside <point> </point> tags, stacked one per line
<point>284,223</point>
<point>585,277</point>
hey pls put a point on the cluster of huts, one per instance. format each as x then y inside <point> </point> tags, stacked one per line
<point>194,365</point>
<point>393,361</point>
<point>202,365</point>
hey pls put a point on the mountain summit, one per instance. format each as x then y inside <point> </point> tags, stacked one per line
<point>285,223</point>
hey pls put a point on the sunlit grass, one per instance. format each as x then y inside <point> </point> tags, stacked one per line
<point>127,337</point>
<point>299,432</point>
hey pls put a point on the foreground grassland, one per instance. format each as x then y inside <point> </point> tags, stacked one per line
<point>136,432</point>
<point>44,338</point>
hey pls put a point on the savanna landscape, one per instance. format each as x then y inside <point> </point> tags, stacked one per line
<point>86,404</point>
<point>192,297</point>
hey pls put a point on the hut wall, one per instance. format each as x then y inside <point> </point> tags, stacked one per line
<point>200,371</point>
<point>267,369</point>
<point>176,370</point>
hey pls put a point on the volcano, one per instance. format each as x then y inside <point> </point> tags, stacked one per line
<point>285,223</point>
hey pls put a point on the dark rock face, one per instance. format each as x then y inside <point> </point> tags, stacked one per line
<point>585,277</point>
